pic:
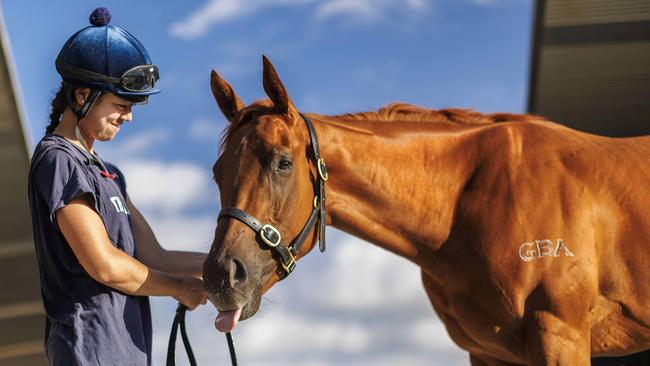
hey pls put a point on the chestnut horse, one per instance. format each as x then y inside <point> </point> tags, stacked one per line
<point>532,238</point>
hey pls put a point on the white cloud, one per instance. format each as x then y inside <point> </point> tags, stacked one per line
<point>167,187</point>
<point>122,150</point>
<point>365,8</point>
<point>429,335</point>
<point>206,130</point>
<point>156,186</point>
<point>215,12</point>
<point>380,278</point>
<point>180,232</point>
<point>417,4</point>
<point>212,12</point>
<point>315,335</point>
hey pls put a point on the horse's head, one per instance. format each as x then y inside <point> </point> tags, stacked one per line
<point>267,175</point>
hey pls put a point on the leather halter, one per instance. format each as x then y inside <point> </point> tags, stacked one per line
<point>269,236</point>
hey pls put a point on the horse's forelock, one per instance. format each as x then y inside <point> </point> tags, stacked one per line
<point>259,107</point>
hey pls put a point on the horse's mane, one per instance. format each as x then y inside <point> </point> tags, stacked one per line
<point>404,112</point>
<point>393,112</point>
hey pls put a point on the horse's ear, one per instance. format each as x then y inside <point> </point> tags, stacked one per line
<point>228,101</point>
<point>275,89</point>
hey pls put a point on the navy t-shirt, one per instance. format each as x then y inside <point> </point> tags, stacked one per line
<point>87,323</point>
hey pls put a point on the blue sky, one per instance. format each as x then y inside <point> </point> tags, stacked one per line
<point>333,56</point>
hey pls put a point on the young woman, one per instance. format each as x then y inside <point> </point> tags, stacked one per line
<point>98,258</point>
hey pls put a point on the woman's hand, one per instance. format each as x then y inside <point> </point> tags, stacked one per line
<point>190,292</point>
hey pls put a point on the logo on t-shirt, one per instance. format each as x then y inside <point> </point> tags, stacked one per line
<point>119,206</point>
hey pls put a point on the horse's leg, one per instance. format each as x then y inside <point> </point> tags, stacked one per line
<point>476,360</point>
<point>550,340</point>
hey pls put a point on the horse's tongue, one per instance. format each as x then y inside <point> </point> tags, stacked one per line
<point>227,320</point>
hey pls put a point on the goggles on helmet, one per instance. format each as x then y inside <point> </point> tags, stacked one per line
<point>138,79</point>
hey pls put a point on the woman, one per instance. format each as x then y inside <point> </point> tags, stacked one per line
<point>98,258</point>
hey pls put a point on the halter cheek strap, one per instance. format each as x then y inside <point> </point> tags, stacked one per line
<point>270,237</point>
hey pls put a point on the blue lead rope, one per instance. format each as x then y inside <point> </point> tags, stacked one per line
<point>179,322</point>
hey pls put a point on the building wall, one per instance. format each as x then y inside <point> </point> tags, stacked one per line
<point>591,65</point>
<point>21,310</point>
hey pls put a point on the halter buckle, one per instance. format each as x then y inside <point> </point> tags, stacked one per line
<point>322,169</point>
<point>289,267</point>
<point>270,235</point>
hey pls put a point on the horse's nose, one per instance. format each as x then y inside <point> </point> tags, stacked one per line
<point>226,274</point>
<point>237,273</point>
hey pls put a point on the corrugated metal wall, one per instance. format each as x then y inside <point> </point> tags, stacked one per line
<point>579,12</point>
<point>21,310</point>
<point>591,65</point>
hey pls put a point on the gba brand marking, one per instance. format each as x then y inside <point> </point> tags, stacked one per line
<point>528,252</point>
<point>119,206</point>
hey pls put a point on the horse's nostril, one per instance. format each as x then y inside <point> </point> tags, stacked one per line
<point>238,273</point>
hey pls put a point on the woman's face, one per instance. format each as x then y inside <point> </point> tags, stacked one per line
<point>104,119</point>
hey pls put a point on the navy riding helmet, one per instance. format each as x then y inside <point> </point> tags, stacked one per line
<point>106,58</point>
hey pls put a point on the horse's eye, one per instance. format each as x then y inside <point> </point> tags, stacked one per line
<point>285,165</point>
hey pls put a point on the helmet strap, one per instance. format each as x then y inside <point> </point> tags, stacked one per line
<point>80,113</point>
<point>80,136</point>
<point>92,97</point>
<point>88,103</point>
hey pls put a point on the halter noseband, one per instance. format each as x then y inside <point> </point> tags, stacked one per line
<point>269,236</point>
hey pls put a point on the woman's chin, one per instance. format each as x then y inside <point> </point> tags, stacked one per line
<point>107,136</point>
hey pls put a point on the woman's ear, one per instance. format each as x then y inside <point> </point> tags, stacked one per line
<point>80,96</point>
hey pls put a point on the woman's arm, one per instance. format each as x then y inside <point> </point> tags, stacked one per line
<point>85,233</point>
<point>154,255</point>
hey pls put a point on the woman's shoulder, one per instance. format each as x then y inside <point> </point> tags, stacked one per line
<point>54,150</point>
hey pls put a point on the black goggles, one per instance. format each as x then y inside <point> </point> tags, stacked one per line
<point>140,78</point>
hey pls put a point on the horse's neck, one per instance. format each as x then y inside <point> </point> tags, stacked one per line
<point>396,184</point>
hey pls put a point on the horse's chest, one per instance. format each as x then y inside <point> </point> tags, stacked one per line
<point>475,321</point>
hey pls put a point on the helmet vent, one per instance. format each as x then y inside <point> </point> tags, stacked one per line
<point>100,17</point>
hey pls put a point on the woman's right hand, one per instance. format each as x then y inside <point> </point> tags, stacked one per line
<point>190,292</point>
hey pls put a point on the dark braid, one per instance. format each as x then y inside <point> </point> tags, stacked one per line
<point>58,106</point>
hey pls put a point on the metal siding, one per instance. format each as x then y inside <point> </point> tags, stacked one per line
<point>28,360</point>
<point>600,88</point>
<point>21,315</point>
<point>18,329</point>
<point>19,279</point>
<point>579,12</point>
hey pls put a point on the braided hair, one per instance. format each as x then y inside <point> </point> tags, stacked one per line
<point>58,106</point>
